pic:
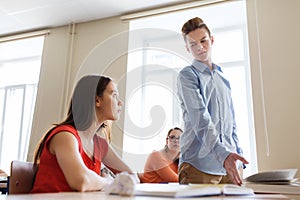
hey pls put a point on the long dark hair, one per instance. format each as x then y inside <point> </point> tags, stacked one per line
<point>81,112</point>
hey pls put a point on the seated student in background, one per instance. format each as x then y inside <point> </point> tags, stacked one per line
<point>105,131</point>
<point>70,154</point>
<point>2,173</point>
<point>162,166</point>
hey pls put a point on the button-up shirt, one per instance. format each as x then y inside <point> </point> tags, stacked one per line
<point>209,123</point>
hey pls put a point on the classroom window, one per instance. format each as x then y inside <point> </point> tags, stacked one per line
<point>20,63</point>
<point>157,53</point>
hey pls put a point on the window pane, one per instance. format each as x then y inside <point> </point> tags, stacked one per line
<point>227,22</point>
<point>228,46</point>
<point>241,95</point>
<point>11,128</point>
<point>20,63</point>
<point>28,72</point>
<point>29,103</point>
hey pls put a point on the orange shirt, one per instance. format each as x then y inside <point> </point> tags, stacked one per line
<point>50,178</point>
<point>159,170</point>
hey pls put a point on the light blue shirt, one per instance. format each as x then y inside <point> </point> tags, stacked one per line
<point>209,123</point>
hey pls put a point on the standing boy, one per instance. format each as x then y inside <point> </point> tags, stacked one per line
<point>210,152</point>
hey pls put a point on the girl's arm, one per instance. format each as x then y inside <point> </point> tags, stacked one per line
<point>156,162</point>
<point>167,174</point>
<point>114,162</point>
<point>65,147</point>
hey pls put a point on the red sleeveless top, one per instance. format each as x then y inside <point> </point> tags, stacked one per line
<point>50,178</point>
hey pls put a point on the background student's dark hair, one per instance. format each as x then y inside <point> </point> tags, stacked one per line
<point>192,25</point>
<point>172,129</point>
<point>81,112</point>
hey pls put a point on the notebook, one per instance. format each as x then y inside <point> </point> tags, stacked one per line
<point>192,190</point>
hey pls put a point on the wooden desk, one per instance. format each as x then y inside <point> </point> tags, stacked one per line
<point>103,196</point>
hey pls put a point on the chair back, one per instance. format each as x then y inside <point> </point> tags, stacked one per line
<point>22,176</point>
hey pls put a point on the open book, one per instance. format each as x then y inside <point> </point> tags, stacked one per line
<point>281,181</point>
<point>192,190</point>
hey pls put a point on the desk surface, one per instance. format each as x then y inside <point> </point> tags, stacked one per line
<point>103,196</point>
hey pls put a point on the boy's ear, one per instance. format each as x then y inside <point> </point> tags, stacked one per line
<point>212,39</point>
<point>187,48</point>
<point>98,101</point>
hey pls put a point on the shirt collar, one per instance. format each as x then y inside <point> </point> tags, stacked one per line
<point>203,67</point>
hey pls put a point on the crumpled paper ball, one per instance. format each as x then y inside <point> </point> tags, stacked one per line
<point>123,184</point>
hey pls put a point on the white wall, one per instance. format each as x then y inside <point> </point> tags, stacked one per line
<point>274,46</point>
<point>50,96</point>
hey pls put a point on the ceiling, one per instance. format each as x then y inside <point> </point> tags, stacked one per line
<point>20,16</point>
